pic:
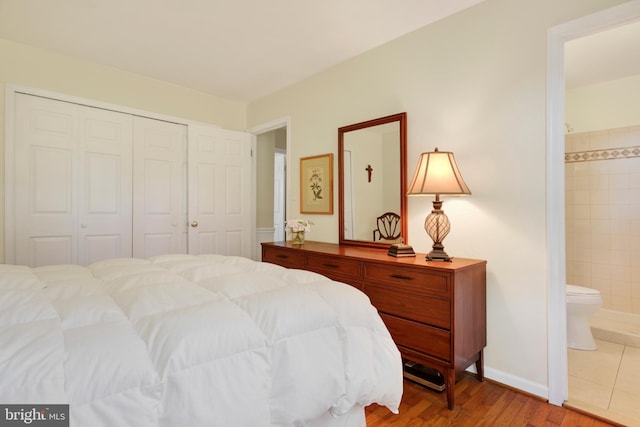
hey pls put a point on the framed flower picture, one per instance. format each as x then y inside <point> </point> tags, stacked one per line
<point>316,184</point>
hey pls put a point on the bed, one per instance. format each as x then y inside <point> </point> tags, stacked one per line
<point>179,340</point>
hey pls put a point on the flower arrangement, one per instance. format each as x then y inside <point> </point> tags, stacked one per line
<point>296,225</point>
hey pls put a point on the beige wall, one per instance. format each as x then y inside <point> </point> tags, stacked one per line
<point>41,69</point>
<point>265,148</point>
<point>474,84</point>
<point>44,70</point>
<point>607,105</point>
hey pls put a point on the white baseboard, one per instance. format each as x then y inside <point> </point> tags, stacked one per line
<point>526,386</point>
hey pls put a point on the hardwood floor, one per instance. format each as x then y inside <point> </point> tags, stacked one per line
<point>477,404</point>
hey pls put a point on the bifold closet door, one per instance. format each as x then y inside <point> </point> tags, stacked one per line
<point>71,183</point>
<point>105,185</point>
<point>88,184</point>
<point>159,188</point>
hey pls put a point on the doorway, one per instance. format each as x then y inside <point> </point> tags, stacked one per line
<point>602,116</point>
<point>272,182</point>
<point>556,256</point>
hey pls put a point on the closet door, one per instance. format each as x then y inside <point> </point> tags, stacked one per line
<point>85,184</point>
<point>45,210</point>
<point>159,188</point>
<point>219,191</point>
<point>105,184</point>
<point>71,183</point>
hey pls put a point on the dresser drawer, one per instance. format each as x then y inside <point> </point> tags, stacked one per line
<point>284,257</point>
<point>335,267</point>
<point>414,279</point>
<point>409,305</point>
<point>416,336</point>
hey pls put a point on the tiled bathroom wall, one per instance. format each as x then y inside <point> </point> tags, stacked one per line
<point>602,188</point>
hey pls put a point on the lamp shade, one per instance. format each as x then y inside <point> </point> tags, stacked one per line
<point>437,173</point>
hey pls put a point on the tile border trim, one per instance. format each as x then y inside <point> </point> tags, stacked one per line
<point>608,154</point>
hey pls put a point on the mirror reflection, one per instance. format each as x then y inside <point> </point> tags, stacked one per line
<point>372,178</point>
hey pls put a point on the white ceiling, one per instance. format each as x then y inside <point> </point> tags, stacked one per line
<point>245,49</point>
<point>236,49</point>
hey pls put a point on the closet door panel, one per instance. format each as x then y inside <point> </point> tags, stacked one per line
<point>204,235</point>
<point>220,190</point>
<point>159,222</point>
<point>105,198</point>
<point>72,182</point>
<point>45,210</point>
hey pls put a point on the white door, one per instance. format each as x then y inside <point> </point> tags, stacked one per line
<point>159,187</point>
<point>85,184</point>
<point>104,186</point>
<point>45,182</point>
<point>279,191</point>
<point>71,183</point>
<point>219,192</point>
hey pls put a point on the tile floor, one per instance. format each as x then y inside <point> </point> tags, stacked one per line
<point>606,382</point>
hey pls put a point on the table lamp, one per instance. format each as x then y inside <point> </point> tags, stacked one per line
<point>437,174</point>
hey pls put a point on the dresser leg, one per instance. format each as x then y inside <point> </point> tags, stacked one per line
<point>480,366</point>
<point>450,379</point>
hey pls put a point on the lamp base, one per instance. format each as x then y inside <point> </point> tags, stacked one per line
<point>438,255</point>
<point>437,227</point>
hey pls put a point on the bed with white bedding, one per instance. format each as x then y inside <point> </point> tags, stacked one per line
<point>182,340</point>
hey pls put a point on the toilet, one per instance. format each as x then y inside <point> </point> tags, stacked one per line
<point>582,303</point>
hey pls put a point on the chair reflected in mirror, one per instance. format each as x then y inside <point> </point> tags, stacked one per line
<point>388,227</point>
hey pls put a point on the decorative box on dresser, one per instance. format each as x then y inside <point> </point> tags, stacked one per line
<point>434,310</point>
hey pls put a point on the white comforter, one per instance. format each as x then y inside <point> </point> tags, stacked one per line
<point>184,340</point>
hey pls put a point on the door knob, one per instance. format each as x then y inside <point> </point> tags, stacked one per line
<point>194,223</point>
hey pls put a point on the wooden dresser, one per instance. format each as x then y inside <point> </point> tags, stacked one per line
<point>435,310</point>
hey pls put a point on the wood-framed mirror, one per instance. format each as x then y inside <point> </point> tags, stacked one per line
<point>372,180</point>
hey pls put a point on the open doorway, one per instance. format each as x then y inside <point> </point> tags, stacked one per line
<point>602,166</point>
<point>272,181</point>
<point>556,227</point>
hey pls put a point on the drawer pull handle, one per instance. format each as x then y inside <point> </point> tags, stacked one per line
<point>282,256</point>
<point>401,277</point>
<point>330,265</point>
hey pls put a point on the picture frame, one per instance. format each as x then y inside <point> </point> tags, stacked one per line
<point>316,184</point>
